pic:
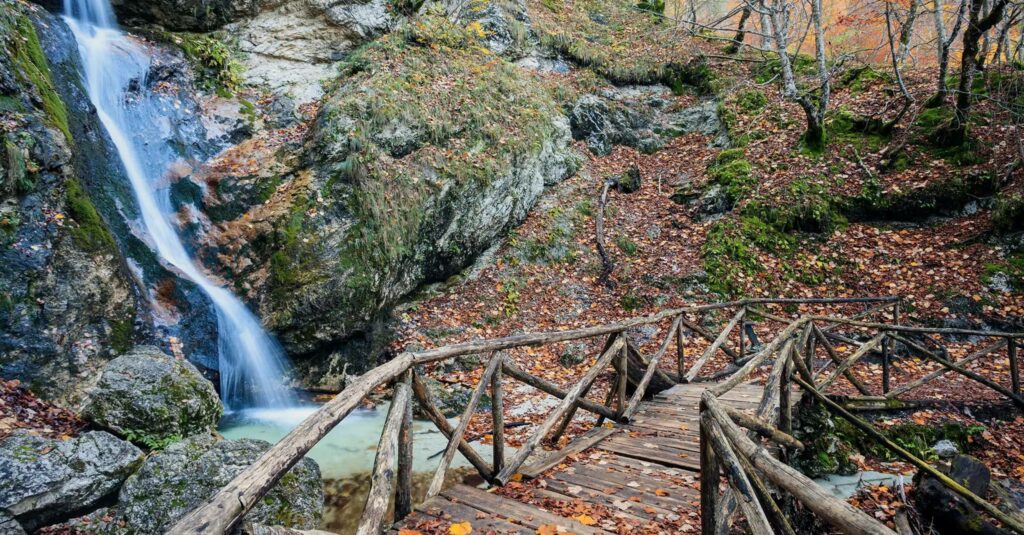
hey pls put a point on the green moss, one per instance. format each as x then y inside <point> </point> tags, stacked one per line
<point>90,231</point>
<point>696,73</point>
<point>214,60</point>
<point>735,176</point>
<point>626,245</point>
<point>864,133</point>
<point>121,335</point>
<point>22,43</point>
<point>1012,267</point>
<point>861,78</point>
<point>472,113</point>
<point>772,69</point>
<point>751,101</point>
<point>1008,213</point>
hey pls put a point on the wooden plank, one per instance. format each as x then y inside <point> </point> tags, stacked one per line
<point>454,512</point>
<point>690,461</point>
<point>615,489</point>
<point>528,515</point>
<point>552,458</point>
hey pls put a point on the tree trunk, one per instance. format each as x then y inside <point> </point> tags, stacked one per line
<point>907,31</point>
<point>741,32</point>
<point>956,132</point>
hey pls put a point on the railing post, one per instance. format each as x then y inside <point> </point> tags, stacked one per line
<point>1011,348</point>
<point>886,356</point>
<point>383,477</point>
<point>709,479</point>
<point>742,348</point>
<point>623,382</point>
<point>785,396</point>
<point>681,351</point>
<point>403,497</point>
<point>498,420</point>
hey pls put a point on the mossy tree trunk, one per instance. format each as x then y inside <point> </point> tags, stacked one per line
<point>955,133</point>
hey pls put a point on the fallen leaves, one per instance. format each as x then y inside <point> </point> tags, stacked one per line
<point>461,528</point>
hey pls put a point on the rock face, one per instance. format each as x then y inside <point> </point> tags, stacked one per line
<point>290,47</point>
<point>505,24</point>
<point>45,480</point>
<point>66,300</point>
<point>190,15</point>
<point>151,396</point>
<point>173,482</point>
<point>416,163</point>
<point>642,117</point>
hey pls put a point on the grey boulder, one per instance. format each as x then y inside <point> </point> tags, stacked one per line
<point>178,479</point>
<point>152,397</point>
<point>45,480</point>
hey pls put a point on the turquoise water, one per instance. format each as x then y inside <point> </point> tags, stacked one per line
<point>349,448</point>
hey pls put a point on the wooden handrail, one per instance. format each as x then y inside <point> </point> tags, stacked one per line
<point>225,509</point>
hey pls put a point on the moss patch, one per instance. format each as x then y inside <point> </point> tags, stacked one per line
<point>20,40</point>
<point>90,232</point>
<point>214,60</point>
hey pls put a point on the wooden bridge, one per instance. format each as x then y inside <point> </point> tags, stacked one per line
<point>664,435</point>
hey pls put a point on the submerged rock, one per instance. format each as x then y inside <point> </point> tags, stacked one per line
<point>45,480</point>
<point>178,479</point>
<point>152,397</point>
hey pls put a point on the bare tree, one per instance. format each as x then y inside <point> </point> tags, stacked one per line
<point>955,133</point>
<point>778,14</point>
<point>907,30</point>
<point>741,32</point>
<point>944,42</point>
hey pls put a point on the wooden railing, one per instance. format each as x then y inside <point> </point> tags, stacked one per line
<point>392,470</point>
<point>749,466</point>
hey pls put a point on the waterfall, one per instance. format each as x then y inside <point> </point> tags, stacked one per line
<point>251,362</point>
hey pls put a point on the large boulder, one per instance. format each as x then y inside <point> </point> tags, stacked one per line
<point>175,481</point>
<point>505,24</point>
<point>152,397</point>
<point>427,151</point>
<point>45,480</point>
<point>67,304</point>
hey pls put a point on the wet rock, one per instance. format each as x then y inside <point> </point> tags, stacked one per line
<point>176,480</point>
<point>66,301</point>
<point>187,15</point>
<point>153,397</point>
<point>629,181</point>
<point>603,124</point>
<point>44,480</point>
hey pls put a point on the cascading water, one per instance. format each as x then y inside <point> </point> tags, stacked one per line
<point>250,361</point>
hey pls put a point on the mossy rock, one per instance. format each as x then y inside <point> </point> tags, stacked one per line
<point>173,482</point>
<point>1008,213</point>
<point>153,399</point>
<point>735,174</point>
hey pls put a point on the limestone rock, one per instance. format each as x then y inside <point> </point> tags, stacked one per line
<point>42,480</point>
<point>150,395</point>
<point>642,117</point>
<point>176,480</point>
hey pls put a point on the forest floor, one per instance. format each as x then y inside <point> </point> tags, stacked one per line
<point>922,228</point>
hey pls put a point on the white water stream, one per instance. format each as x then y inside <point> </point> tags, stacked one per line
<point>251,363</point>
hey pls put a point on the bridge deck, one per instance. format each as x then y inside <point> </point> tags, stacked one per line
<point>644,472</point>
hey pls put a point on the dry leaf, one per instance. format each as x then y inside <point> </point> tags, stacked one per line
<point>586,520</point>
<point>462,528</point>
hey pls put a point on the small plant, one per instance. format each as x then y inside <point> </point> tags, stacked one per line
<point>218,67</point>
<point>150,441</point>
<point>626,245</point>
<point>752,101</point>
